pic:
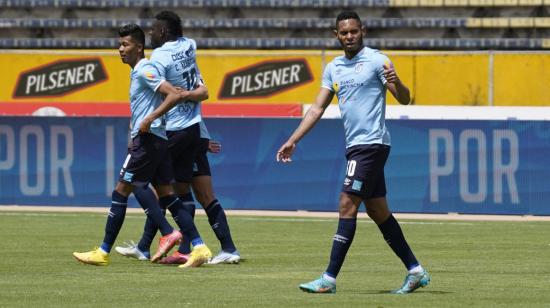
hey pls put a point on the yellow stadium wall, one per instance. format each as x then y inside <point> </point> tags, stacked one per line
<point>435,78</point>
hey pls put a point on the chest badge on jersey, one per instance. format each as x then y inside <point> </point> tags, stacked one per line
<point>358,67</point>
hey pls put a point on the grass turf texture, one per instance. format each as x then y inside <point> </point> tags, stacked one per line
<point>472,264</point>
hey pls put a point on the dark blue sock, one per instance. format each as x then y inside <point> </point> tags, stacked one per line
<point>148,201</point>
<point>115,219</point>
<point>149,232</point>
<point>218,222</point>
<point>340,244</point>
<point>182,218</point>
<point>394,237</point>
<point>189,206</point>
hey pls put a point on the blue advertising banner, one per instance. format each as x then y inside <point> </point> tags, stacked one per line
<point>435,166</point>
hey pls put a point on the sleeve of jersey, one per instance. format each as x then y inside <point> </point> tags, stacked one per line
<point>159,61</point>
<point>327,78</point>
<point>380,61</point>
<point>200,80</point>
<point>150,76</point>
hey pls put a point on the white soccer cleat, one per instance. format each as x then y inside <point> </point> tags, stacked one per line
<point>226,257</point>
<point>131,251</point>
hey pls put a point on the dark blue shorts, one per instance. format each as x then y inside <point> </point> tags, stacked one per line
<point>365,170</point>
<point>201,166</point>
<point>148,161</point>
<point>183,145</point>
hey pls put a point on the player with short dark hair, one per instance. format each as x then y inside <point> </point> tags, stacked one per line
<point>148,157</point>
<point>359,79</point>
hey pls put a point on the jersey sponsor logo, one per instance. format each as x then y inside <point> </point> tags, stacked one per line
<point>59,78</point>
<point>182,55</point>
<point>357,185</point>
<point>265,78</point>
<point>128,177</point>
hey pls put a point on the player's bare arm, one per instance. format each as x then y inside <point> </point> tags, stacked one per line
<point>197,95</point>
<point>395,86</point>
<point>171,97</point>
<point>310,119</point>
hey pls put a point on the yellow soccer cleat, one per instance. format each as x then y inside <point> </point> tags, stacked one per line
<point>200,255</point>
<point>94,257</point>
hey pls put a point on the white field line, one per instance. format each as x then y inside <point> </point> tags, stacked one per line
<point>263,213</point>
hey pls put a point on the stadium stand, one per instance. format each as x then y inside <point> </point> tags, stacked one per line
<point>273,24</point>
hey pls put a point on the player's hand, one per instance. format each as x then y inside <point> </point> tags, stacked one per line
<point>184,94</point>
<point>389,73</point>
<point>145,124</point>
<point>285,152</point>
<point>214,146</point>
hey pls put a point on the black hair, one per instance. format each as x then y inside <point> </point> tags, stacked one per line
<point>344,15</point>
<point>134,31</point>
<point>172,22</point>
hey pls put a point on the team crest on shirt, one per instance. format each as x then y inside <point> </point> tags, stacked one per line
<point>358,67</point>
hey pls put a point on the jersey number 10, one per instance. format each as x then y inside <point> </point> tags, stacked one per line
<point>190,78</point>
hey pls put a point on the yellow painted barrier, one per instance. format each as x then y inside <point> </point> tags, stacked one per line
<point>450,79</point>
<point>523,80</point>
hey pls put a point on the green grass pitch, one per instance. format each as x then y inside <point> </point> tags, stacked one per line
<point>479,264</point>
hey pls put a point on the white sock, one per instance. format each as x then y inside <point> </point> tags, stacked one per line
<point>329,279</point>
<point>416,270</point>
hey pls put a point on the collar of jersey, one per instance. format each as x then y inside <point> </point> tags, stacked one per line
<point>359,57</point>
<point>169,43</point>
<point>140,63</point>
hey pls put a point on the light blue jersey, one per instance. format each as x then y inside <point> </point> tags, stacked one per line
<point>144,81</point>
<point>359,84</point>
<point>175,61</point>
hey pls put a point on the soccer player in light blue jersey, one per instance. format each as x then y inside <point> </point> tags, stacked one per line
<point>359,79</point>
<point>174,57</point>
<point>148,158</point>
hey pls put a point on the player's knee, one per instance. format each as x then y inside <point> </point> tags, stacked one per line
<point>164,190</point>
<point>182,188</point>
<point>204,198</point>
<point>348,208</point>
<point>124,188</point>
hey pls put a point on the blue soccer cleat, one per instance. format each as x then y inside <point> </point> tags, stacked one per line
<point>413,282</point>
<point>320,285</point>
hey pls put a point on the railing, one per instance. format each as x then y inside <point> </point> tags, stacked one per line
<point>265,3</point>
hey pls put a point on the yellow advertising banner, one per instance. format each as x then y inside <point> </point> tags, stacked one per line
<point>96,82</point>
<point>76,82</point>
<point>261,76</point>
